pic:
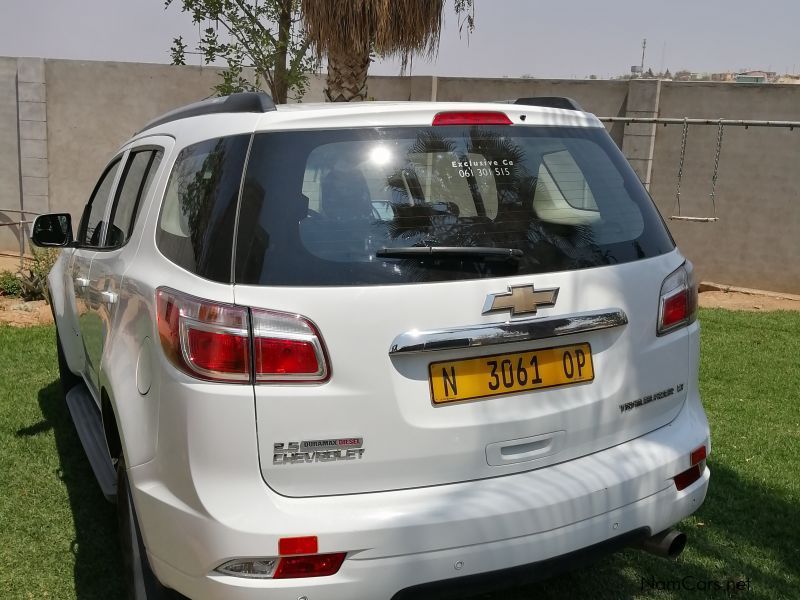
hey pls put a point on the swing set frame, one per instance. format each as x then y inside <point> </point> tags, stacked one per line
<point>686,122</point>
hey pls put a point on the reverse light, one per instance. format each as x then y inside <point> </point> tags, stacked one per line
<point>471,118</point>
<point>677,305</point>
<point>213,341</point>
<point>250,568</point>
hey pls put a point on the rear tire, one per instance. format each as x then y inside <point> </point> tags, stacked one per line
<point>67,377</point>
<point>140,581</point>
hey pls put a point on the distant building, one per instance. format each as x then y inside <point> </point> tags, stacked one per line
<point>727,76</point>
<point>755,77</point>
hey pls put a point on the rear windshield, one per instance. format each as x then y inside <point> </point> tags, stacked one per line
<point>342,207</point>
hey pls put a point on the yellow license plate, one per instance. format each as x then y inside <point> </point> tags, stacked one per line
<point>509,373</point>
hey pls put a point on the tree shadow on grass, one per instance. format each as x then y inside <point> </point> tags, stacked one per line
<point>744,532</point>
<point>98,567</point>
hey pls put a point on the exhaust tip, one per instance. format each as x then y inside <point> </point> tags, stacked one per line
<point>677,544</point>
<point>667,544</point>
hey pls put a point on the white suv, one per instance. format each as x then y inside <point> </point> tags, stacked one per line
<point>378,350</point>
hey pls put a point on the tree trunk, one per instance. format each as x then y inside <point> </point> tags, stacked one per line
<point>347,75</point>
<point>280,87</point>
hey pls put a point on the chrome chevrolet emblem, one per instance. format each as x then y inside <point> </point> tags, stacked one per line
<point>520,300</point>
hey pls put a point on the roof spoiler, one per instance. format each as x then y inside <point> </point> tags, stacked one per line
<point>550,102</point>
<point>242,102</point>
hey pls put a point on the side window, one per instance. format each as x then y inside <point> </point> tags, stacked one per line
<point>564,173</point>
<point>198,213</point>
<point>133,187</point>
<point>92,223</point>
<point>562,192</point>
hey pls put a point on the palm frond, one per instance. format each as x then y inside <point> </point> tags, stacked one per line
<point>389,27</point>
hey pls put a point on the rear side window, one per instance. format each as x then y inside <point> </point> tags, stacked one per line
<point>338,207</point>
<point>198,213</point>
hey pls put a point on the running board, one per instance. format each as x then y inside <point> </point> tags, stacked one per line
<point>89,425</point>
<point>694,219</point>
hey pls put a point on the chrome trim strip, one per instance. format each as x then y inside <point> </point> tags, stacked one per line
<point>491,334</point>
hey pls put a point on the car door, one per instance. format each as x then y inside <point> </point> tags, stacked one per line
<point>114,254</point>
<point>90,234</point>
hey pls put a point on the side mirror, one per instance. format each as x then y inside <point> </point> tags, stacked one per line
<point>52,231</point>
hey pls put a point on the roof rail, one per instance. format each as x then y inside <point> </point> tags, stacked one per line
<point>550,102</point>
<point>242,102</point>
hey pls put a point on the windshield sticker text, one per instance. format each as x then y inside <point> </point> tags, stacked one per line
<point>483,168</point>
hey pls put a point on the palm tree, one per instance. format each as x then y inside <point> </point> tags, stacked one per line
<point>349,31</point>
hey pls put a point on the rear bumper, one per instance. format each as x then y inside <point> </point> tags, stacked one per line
<point>406,538</point>
<point>472,585</point>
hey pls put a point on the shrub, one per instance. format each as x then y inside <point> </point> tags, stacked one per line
<point>10,284</point>
<point>33,277</point>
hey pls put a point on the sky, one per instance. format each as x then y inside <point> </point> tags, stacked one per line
<point>512,38</point>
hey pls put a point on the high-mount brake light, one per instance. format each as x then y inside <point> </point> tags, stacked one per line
<point>213,341</point>
<point>677,304</point>
<point>485,117</point>
<point>208,340</point>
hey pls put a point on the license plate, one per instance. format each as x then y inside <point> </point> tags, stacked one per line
<point>499,374</point>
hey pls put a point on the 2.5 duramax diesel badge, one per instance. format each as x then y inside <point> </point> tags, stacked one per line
<point>309,451</point>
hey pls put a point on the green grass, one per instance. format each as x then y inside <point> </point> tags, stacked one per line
<point>59,535</point>
<point>57,532</point>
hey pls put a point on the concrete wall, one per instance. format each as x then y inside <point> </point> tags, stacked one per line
<point>71,116</point>
<point>93,107</point>
<point>756,242</point>
<point>399,88</point>
<point>9,152</point>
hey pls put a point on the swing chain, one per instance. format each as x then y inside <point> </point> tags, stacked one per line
<point>684,135</point>
<point>716,166</point>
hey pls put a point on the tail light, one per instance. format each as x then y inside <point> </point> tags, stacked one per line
<point>677,305</point>
<point>486,117</point>
<point>205,339</point>
<point>686,478</point>
<point>213,341</point>
<point>287,348</point>
<point>315,565</point>
<point>297,558</point>
<point>284,567</point>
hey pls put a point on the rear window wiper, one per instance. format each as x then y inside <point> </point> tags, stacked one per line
<point>463,252</point>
